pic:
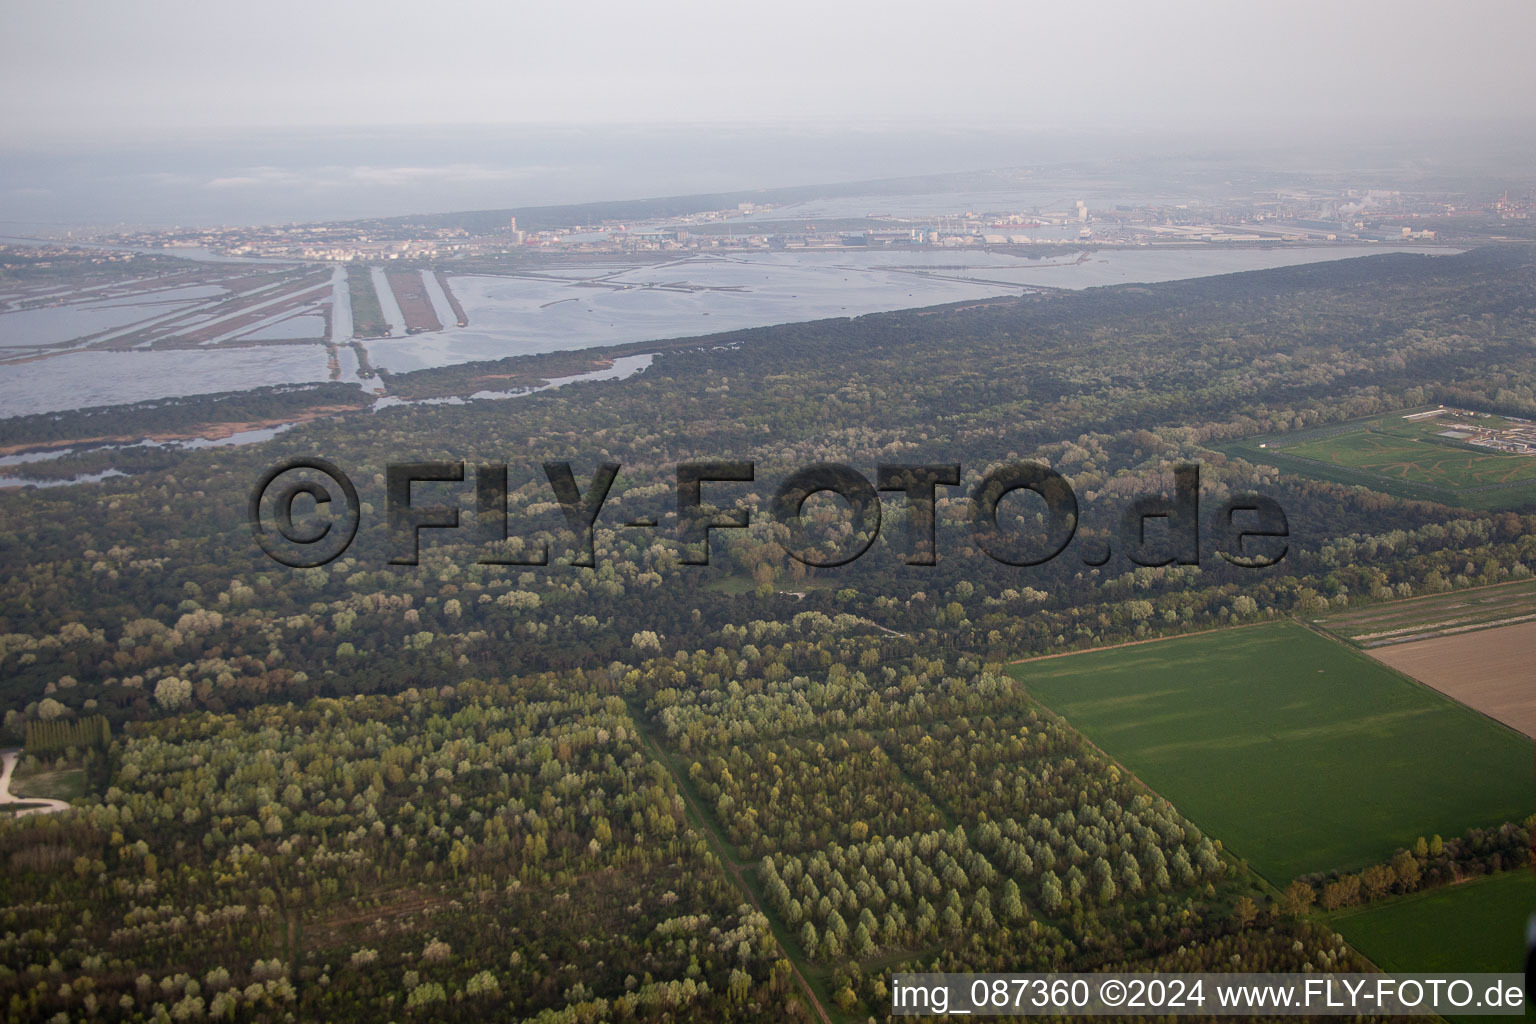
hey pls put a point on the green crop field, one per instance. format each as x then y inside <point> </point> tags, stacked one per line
<point>367,314</point>
<point>1408,458</point>
<point>1299,753</point>
<point>1475,926</point>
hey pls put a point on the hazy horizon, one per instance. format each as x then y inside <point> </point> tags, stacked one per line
<point>267,176</point>
<point>177,66</point>
<point>193,114</point>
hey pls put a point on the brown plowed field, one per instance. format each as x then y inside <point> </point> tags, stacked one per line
<point>412,299</point>
<point>1492,670</point>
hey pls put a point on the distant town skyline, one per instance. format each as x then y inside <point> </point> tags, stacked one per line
<point>83,72</point>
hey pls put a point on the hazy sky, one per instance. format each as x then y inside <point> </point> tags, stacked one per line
<point>90,71</point>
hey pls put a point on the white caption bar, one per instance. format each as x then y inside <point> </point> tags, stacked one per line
<point>1208,994</point>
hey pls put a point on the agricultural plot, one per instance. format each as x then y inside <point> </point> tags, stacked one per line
<point>415,305</point>
<point>1441,615</point>
<point>1431,458</point>
<point>1434,639</point>
<point>367,314</point>
<point>1475,926</point>
<point>1502,685</point>
<point>1299,753</point>
<point>172,306</point>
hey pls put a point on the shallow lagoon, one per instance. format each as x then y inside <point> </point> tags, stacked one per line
<point>572,305</point>
<point>706,294</point>
<point>82,379</point>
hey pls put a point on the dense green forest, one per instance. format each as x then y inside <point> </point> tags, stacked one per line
<point>648,790</point>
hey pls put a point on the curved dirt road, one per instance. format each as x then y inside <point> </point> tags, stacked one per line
<point>48,806</point>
